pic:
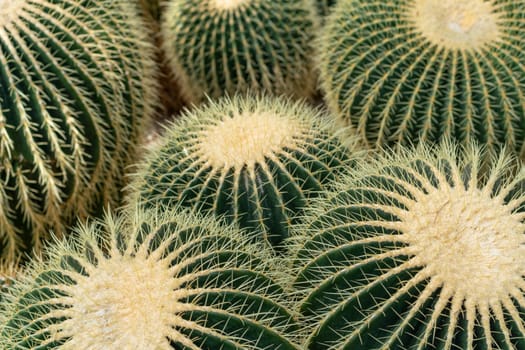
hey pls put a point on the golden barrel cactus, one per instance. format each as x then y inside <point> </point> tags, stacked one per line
<point>422,249</point>
<point>77,84</point>
<point>405,71</point>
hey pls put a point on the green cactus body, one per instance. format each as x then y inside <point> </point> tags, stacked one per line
<point>256,161</point>
<point>220,47</point>
<point>156,281</point>
<point>401,72</point>
<point>419,250</point>
<point>76,85</point>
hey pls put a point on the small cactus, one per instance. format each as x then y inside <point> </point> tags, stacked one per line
<point>418,250</point>
<point>154,281</point>
<point>76,86</point>
<point>255,160</point>
<point>219,47</point>
<point>401,72</point>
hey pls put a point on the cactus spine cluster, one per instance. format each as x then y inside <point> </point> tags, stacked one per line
<point>255,160</point>
<point>220,47</point>
<point>152,281</point>
<point>324,6</point>
<point>76,85</point>
<point>401,71</point>
<point>418,250</point>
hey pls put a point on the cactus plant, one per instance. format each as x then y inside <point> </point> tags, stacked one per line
<point>255,160</point>
<point>151,8</point>
<point>418,250</point>
<point>76,85</point>
<point>324,6</point>
<point>168,280</point>
<point>171,101</point>
<point>401,72</point>
<point>9,270</point>
<point>219,47</point>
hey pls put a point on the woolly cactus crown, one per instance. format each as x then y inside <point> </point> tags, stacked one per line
<point>221,47</point>
<point>159,281</point>
<point>76,86</point>
<point>418,250</point>
<point>256,160</point>
<point>404,71</point>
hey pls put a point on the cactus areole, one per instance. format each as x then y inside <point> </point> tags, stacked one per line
<point>8,9</point>
<point>247,138</point>
<point>457,24</point>
<point>227,4</point>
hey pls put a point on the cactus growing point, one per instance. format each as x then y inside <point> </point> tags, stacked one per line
<point>422,249</point>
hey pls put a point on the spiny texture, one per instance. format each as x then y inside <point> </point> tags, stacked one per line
<point>324,6</point>
<point>9,270</point>
<point>151,8</point>
<point>219,47</point>
<point>405,71</point>
<point>419,250</point>
<point>76,85</point>
<point>160,281</point>
<point>255,160</point>
<point>170,100</point>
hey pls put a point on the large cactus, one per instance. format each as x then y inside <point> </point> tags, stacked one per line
<point>419,250</point>
<point>404,71</point>
<point>219,47</point>
<point>158,281</point>
<point>76,85</point>
<point>171,101</point>
<point>256,160</point>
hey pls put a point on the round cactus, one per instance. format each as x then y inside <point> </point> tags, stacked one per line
<point>76,85</point>
<point>418,250</point>
<point>219,47</point>
<point>401,72</point>
<point>160,281</point>
<point>255,160</point>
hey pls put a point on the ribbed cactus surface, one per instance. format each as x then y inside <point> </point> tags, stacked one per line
<point>219,47</point>
<point>257,161</point>
<point>418,250</point>
<point>76,84</point>
<point>402,71</point>
<point>157,281</point>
